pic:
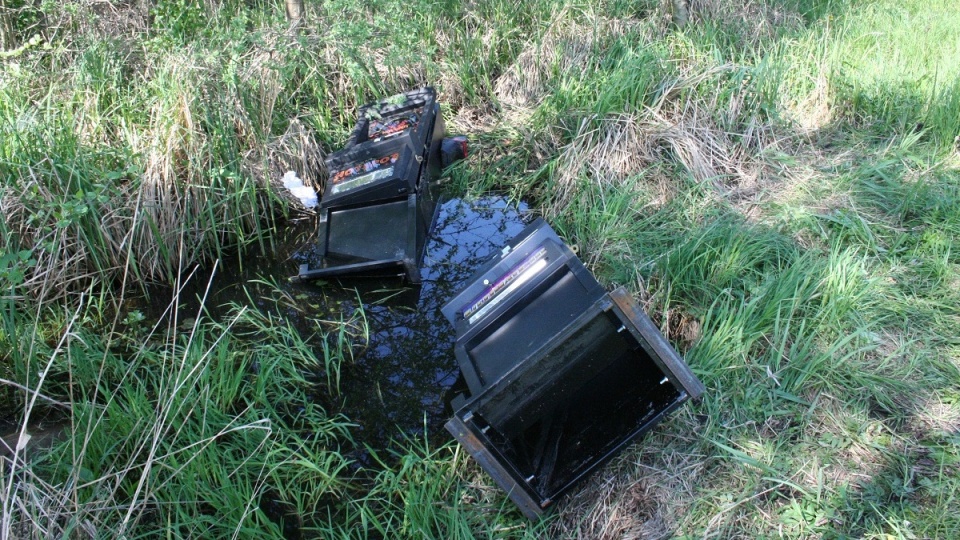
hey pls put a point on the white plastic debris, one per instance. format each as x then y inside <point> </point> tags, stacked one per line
<point>290,180</point>
<point>306,194</point>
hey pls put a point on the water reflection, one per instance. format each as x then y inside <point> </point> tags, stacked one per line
<point>398,385</point>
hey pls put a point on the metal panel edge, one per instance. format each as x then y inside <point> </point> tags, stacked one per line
<point>489,463</point>
<point>663,352</point>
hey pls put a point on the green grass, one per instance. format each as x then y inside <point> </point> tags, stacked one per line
<point>777,182</point>
<point>898,66</point>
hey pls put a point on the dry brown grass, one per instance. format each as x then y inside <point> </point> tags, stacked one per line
<point>640,494</point>
<point>568,48</point>
<point>714,135</point>
<point>722,144</point>
<point>296,150</point>
<point>845,438</point>
<point>613,151</point>
<point>755,20</point>
<point>934,416</point>
<point>128,18</point>
<point>609,154</point>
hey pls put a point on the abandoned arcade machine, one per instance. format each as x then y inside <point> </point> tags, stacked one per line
<point>378,205</point>
<point>561,375</point>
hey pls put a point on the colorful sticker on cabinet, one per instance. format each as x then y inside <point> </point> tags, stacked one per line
<point>386,128</point>
<point>499,290</point>
<point>350,173</point>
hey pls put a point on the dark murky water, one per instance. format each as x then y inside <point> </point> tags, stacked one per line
<point>398,383</point>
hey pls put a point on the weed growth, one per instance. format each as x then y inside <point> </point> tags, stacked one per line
<point>777,181</point>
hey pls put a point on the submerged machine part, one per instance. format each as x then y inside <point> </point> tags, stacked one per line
<point>377,207</point>
<point>561,375</point>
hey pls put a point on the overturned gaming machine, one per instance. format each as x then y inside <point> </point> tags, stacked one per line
<point>560,374</point>
<point>377,206</point>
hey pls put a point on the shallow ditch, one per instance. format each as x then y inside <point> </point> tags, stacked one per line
<point>397,383</point>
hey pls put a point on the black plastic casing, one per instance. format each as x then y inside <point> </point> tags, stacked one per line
<point>414,117</point>
<point>377,208</point>
<point>371,173</point>
<point>505,313</point>
<point>561,375</point>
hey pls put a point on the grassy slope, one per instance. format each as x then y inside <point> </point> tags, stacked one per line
<point>777,181</point>
<point>811,285</point>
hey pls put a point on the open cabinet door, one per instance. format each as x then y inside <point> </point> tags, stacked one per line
<point>561,374</point>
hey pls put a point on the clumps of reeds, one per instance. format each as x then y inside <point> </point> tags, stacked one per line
<point>369,54</point>
<point>176,168</point>
<point>183,426</point>
<point>296,150</point>
<point>193,190</point>
<point>71,236</point>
